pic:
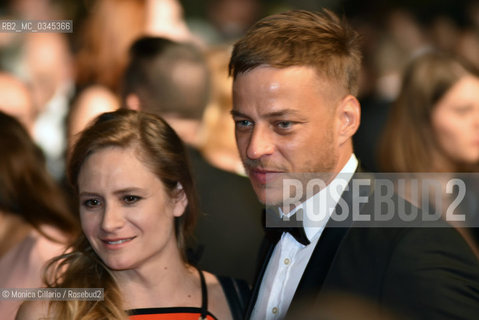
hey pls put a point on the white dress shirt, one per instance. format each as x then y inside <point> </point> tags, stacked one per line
<point>290,258</point>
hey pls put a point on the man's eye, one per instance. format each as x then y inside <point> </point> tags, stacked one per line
<point>243,123</point>
<point>284,124</point>
<point>92,203</point>
<point>129,199</point>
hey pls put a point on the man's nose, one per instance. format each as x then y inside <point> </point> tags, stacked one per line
<point>261,143</point>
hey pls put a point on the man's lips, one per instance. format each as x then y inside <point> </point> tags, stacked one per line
<point>116,243</point>
<point>262,175</point>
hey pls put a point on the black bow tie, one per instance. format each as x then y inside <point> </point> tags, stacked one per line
<point>276,225</point>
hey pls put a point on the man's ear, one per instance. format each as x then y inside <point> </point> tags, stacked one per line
<point>132,102</point>
<point>180,201</point>
<point>349,115</point>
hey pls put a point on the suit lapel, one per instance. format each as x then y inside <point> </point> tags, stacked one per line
<point>325,251</point>
<point>320,262</point>
<point>321,259</point>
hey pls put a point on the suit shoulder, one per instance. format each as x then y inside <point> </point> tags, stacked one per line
<point>433,272</point>
<point>444,241</point>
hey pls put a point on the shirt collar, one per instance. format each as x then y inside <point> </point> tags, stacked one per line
<point>314,221</point>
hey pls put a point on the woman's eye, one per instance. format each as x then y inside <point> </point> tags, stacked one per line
<point>131,199</point>
<point>91,203</point>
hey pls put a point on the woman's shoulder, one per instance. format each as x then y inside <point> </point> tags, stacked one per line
<point>33,310</point>
<point>235,293</point>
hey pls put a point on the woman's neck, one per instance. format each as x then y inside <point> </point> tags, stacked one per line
<point>162,283</point>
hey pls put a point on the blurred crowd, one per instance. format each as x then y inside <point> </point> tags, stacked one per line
<point>52,72</point>
<point>54,84</point>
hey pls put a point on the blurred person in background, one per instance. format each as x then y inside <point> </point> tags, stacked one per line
<point>17,101</point>
<point>35,223</point>
<point>434,124</point>
<point>172,79</point>
<point>48,63</point>
<point>58,71</point>
<point>393,35</point>
<point>136,216</point>
<point>168,78</point>
<point>217,141</point>
<point>44,62</point>
<point>219,22</point>
<point>388,43</point>
<point>86,108</point>
<point>231,18</point>
<point>109,29</point>
<point>107,32</point>
<point>165,18</point>
<point>102,42</point>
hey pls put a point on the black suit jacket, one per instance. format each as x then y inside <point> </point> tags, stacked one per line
<point>415,273</point>
<point>228,233</point>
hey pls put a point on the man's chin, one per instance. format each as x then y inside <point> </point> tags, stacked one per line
<point>269,196</point>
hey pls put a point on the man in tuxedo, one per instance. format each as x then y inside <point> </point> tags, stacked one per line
<point>295,79</point>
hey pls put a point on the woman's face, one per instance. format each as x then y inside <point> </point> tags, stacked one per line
<point>125,212</point>
<point>455,121</point>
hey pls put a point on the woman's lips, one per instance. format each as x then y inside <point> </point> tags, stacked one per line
<point>116,243</point>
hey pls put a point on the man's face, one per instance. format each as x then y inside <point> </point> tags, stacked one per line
<point>285,122</point>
